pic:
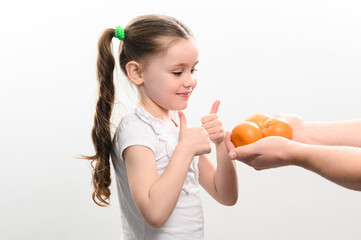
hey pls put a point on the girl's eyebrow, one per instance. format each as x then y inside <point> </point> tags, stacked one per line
<point>183,64</point>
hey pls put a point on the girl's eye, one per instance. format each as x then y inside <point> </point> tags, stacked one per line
<point>180,73</point>
<point>177,73</point>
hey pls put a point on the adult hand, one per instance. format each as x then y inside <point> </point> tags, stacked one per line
<point>299,126</point>
<point>268,152</point>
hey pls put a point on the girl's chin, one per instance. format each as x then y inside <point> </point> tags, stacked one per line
<point>180,107</point>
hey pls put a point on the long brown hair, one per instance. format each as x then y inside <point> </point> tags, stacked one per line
<point>142,41</point>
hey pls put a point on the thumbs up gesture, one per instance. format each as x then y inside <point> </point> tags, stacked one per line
<point>213,125</point>
<point>195,140</point>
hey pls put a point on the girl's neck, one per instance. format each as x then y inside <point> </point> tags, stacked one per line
<point>158,112</point>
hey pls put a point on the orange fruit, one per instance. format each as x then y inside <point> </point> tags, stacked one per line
<point>245,133</point>
<point>277,127</point>
<point>259,119</point>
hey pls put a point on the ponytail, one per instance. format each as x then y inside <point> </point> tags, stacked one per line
<point>101,132</point>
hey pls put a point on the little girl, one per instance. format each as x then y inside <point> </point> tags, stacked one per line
<point>158,160</point>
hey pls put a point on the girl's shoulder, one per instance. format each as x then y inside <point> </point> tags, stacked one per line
<point>137,118</point>
<point>141,124</point>
<point>132,123</point>
<point>133,130</point>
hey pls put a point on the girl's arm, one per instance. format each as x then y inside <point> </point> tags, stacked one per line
<point>221,181</point>
<point>156,198</point>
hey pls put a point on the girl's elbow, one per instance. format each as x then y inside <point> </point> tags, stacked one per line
<point>228,200</point>
<point>231,201</point>
<point>155,220</point>
<point>156,223</point>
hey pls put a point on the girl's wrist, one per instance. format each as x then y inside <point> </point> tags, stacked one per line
<point>184,149</point>
<point>220,143</point>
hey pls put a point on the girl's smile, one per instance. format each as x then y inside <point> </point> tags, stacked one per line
<point>185,94</point>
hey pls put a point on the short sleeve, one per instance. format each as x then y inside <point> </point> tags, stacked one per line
<point>133,131</point>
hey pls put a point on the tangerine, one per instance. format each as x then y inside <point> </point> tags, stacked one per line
<point>277,127</point>
<point>245,133</point>
<point>259,119</point>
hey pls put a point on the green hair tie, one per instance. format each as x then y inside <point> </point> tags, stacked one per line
<point>119,33</point>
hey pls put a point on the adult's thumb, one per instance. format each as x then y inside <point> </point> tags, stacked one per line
<point>242,153</point>
<point>229,144</point>
<point>182,121</point>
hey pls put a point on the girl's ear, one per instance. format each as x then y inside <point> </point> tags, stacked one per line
<point>134,72</point>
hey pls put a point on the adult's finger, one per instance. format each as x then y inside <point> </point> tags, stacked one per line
<point>230,146</point>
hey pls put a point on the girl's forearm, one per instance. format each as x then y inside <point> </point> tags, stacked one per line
<point>225,179</point>
<point>339,164</point>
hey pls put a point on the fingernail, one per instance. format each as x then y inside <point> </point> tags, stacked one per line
<point>233,155</point>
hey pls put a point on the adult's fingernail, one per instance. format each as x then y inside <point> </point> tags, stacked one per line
<point>233,155</point>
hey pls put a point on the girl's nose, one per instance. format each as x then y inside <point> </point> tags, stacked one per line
<point>189,81</point>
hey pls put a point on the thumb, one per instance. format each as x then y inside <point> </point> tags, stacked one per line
<point>243,153</point>
<point>182,121</point>
<point>230,146</point>
<point>215,107</point>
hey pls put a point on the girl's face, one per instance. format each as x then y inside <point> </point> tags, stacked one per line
<point>169,79</point>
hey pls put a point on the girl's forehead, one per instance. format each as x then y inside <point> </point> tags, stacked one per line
<point>183,51</point>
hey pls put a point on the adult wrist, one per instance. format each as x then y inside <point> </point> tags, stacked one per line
<point>297,153</point>
<point>312,132</point>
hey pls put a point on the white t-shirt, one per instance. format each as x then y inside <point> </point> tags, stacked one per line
<point>186,222</point>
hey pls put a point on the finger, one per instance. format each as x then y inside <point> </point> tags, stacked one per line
<point>209,118</point>
<point>230,146</point>
<point>214,130</point>
<point>244,153</point>
<point>182,121</point>
<point>211,124</point>
<point>216,137</point>
<point>281,115</point>
<point>215,107</point>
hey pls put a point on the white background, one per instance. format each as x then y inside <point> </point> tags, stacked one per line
<point>255,56</point>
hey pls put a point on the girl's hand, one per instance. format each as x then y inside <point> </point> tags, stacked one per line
<point>195,140</point>
<point>213,125</point>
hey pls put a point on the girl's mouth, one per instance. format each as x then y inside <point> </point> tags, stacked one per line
<point>184,94</point>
